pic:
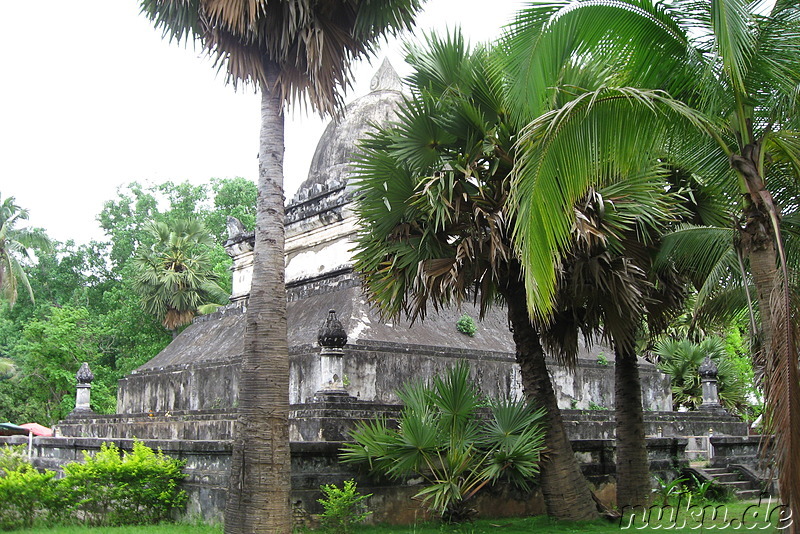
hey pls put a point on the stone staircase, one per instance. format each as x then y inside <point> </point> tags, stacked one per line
<point>732,478</point>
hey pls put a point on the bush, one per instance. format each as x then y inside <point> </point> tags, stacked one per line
<point>12,458</point>
<point>343,507</point>
<point>466,325</point>
<point>109,488</point>
<point>445,437</point>
<point>113,488</point>
<point>25,495</point>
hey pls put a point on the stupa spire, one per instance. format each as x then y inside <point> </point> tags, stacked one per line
<point>386,79</point>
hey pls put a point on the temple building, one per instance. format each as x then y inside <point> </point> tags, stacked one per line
<point>346,362</point>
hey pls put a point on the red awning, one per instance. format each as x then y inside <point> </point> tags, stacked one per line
<point>38,430</point>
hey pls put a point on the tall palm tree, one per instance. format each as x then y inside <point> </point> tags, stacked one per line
<point>290,50</point>
<point>431,196</point>
<point>607,289</point>
<point>15,243</point>
<point>709,86</point>
<point>174,276</point>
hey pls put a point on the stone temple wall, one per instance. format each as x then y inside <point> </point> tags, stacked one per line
<point>316,463</point>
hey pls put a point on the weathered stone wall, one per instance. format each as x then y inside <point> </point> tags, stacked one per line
<point>313,464</point>
<point>374,372</point>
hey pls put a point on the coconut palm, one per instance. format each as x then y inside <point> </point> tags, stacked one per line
<point>16,243</point>
<point>174,276</point>
<point>443,437</point>
<point>708,86</point>
<point>431,194</point>
<point>607,288</point>
<point>290,50</point>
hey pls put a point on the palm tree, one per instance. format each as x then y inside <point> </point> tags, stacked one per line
<point>431,196</point>
<point>442,437</point>
<point>710,87</point>
<point>174,276</point>
<point>681,358</point>
<point>290,50</point>
<point>14,243</point>
<point>607,288</point>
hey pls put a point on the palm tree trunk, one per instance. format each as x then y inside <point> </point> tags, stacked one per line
<point>633,467</point>
<point>260,483</point>
<point>778,346</point>
<point>564,488</point>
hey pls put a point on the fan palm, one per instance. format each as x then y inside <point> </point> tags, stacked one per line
<point>174,276</point>
<point>443,437</point>
<point>680,359</point>
<point>709,86</point>
<point>431,195</point>
<point>290,50</point>
<point>15,243</point>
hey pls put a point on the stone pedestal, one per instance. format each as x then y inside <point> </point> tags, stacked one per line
<point>708,377</point>
<point>84,390</point>
<point>332,338</point>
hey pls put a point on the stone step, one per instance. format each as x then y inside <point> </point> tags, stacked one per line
<point>738,485</point>
<point>748,494</point>
<point>726,477</point>
<point>714,471</point>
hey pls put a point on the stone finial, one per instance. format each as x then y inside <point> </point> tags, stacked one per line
<point>235,227</point>
<point>386,79</point>
<point>332,334</point>
<point>707,369</point>
<point>240,242</point>
<point>85,375</point>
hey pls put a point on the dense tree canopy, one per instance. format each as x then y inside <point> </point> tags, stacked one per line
<point>86,306</point>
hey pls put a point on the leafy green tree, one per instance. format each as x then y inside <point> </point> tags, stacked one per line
<point>607,288</point>
<point>290,51</point>
<point>442,437</point>
<point>15,244</point>
<point>235,198</point>
<point>174,277</point>
<point>47,358</point>
<point>432,193</point>
<point>709,87</point>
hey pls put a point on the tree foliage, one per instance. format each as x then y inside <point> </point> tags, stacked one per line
<point>443,437</point>
<point>15,244</point>
<point>174,276</point>
<point>87,308</point>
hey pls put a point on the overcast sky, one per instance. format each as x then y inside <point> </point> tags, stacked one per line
<point>93,98</point>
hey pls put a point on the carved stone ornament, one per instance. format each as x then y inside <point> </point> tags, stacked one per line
<point>332,334</point>
<point>708,369</point>
<point>84,375</point>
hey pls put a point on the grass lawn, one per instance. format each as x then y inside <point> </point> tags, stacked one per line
<point>730,517</point>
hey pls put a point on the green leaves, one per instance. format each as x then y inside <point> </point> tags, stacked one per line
<point>14,246</point>
<point>174,277</point>
<point>444,436</point>
<point>431,188</point>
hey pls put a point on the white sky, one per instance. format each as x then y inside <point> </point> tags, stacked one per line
<point>92,98</point>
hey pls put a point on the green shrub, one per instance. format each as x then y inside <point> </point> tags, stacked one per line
<point>344,507</point>
<point>12,457</point>
<point>25,495</point>
<point>445,437</point>
<point>113,488</point>
<point>466,325</point>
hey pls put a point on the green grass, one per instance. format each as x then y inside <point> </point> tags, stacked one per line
<point>696,520</point>
<point>166,528</point>
<point>755,518</point>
